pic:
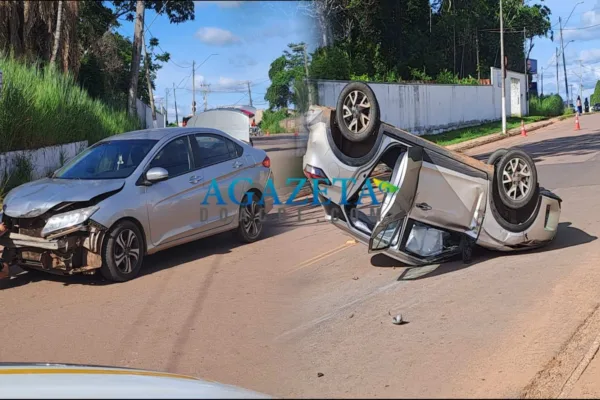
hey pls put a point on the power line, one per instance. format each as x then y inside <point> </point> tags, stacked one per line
<point>161,49</point>
<point>581,28</point>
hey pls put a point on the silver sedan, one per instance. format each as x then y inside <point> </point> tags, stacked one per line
<point>136,194</point>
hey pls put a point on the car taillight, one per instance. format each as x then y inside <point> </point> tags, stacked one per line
<point>266,162</point>
<point>316,173</point>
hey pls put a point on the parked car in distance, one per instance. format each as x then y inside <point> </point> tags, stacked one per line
<point>437,203</point>
<point>235,122</point>
<point>596,107</point>
<point>135,194</point>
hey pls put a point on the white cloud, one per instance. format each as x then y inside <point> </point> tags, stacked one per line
<point>230,83</point>
<point>217,36</point>
<point>199,79</point>
<point>242,60</point>
<point>222,4</point>
<point>588,19</point>
<point>591,56</point>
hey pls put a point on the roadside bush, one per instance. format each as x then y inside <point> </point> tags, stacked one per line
<point>271,119</point>
<point>42,107</point>
<point>330,63</point>
<point>546,106</point>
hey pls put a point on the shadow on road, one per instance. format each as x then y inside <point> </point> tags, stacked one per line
<point>576,145</point>
<point>567,236</point>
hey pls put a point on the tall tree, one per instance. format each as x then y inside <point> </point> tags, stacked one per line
<point>57,33</point>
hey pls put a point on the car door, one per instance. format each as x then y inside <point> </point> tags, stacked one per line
<point>451,194</point>
<point>397,205</point>
<point>223,167</point>
<point>174,204</point>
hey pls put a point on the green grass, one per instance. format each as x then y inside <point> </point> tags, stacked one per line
<point>44,107</point>
<point>464,134</point>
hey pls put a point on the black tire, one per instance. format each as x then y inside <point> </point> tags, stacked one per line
<point>117,269</point>
<point>496,156</point>
<point>250,215</point>
<point>350,103</point>
<point>522,194</point>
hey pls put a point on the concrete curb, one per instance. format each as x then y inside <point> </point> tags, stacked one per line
<point>480,141</point>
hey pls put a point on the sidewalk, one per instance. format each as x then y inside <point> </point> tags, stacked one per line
<point>588,385</point>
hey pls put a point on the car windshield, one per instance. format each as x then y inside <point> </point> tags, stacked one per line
<point>116,159</point>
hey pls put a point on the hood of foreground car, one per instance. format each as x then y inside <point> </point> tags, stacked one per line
<point>35,198</point>
<point>44,381</point>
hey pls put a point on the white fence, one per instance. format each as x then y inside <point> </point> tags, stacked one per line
<point>431,108</point>
<point>145,115</point>
<point>42,161</point>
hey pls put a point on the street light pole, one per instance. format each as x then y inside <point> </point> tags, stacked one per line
<point>563,57</point>
<point>503,70</point>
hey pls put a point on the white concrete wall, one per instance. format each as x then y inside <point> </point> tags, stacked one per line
<point>431,108</point>
<point>43,161</point>
<point>145,115</point>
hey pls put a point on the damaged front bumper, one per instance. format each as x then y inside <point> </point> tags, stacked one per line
<point>76,250</point>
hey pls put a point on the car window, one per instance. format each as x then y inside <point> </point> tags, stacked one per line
<point>174,157</point>
<point>214,149</point>
<point>107,160</point>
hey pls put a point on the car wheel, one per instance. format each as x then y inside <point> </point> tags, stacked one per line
<point>496,156</point>
<point>123,253</point>
<point>516,176</point>
<point>357,113</point>
<point>250,222</point>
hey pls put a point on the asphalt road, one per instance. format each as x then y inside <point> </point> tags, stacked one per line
<point>305,313</point>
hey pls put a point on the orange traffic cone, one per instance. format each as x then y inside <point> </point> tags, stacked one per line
<point>577,126</point>
<point>523,131</point>
<point>268,134</point>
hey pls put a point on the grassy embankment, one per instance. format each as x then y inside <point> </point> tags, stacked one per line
<point>43,107</point>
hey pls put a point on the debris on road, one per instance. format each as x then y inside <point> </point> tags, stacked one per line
<point>351,315</point>
<point>397,320</point>
<point>355,278</point>
<point>320,374</point>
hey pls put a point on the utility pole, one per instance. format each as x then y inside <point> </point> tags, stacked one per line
<point>149,81</point>
<point>562,46</point>
<point>557,78</point>
<point>193,87</point>
<point>205,90</point>
<point>580,78</point>
<point>571,102</point>
<point>167,105</point>
<point>249,93</point>
<point>542,88</point>
<point>503,71</point>
<point>477,52</point>
<point>175,98</point>
<point>526,73</point>
<point>310,95</point>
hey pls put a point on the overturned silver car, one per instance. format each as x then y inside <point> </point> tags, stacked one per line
<point>437,203</point>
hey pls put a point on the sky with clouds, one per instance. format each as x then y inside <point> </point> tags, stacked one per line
<point>232,42</point>
<point>581,37</point>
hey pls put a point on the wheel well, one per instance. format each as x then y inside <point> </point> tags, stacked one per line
<point>136,223</point>
<point>256,192</point>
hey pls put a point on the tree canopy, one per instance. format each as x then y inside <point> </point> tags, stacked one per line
<point>390,40</point>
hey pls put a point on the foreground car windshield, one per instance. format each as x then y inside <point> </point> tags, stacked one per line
<point>115,159</point>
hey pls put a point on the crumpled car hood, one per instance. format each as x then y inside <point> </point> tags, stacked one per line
<point>35,198</point>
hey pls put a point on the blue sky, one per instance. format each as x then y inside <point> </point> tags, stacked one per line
<point>583,29</point>
<point>231,42</point>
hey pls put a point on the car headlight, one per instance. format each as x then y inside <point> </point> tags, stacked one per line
<point>69,219</point>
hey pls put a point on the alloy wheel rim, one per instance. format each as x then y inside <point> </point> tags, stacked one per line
<point>356,111</point>
<point>126,251</point>
<point>516,179</point>
<point>251,219</point>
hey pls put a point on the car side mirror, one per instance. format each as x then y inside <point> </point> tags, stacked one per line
<point>157,174</point>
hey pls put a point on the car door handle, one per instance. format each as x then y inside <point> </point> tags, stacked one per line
<point>237,164</point>
<point>423,206</point>
<point>195,179</point>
